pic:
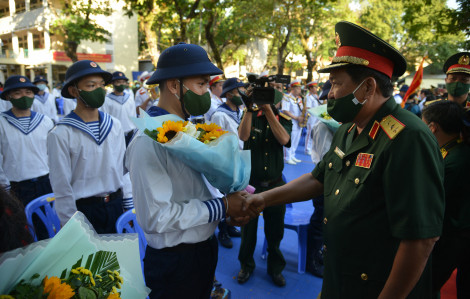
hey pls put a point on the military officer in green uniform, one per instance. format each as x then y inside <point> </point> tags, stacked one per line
<point>457,70</point>
<point>379,229</point>
<point>444,118</point>
<point>265,132</point>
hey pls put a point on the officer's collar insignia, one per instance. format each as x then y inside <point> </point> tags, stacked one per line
<point>464,60</point>
<point>93,64</point>
<point>446,148</point>
<point>350,129</point>
<point>364,160</point>
<point>22,80</point>
<point>337,40</point>
<point>374,130</point>
<point>444,153</point>
<point>391,126</point>
<point>339,153</point>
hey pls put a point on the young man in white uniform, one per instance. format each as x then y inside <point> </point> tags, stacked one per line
<point>293,108</point>
<point>228,117</point>
<point>311,100</point>
<point>86,152</point>
<point>23,151</point>
<point>44,102</point>
<point>143,97</point>
<point>173,204</point>
<point>121,105</point>
<point>215,89</point>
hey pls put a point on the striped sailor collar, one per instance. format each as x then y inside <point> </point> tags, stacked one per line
<point>34,122</point>
<point>105,125</point>
<point>122,99</point>
<point>42,98</point>
<point>235,115</point>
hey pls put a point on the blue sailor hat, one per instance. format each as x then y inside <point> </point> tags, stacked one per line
<point>15,82</point>
<point>40,78</point>
<point>183,60</point>
<point>119,76</point>
<point>81,69</point>
<point>231,84</point>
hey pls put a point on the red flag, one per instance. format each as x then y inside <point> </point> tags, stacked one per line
<point>416,83</point>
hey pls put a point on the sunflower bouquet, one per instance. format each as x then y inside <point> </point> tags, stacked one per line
<point>75,263</point>
<point>205,148</point>
<point>322,114</point>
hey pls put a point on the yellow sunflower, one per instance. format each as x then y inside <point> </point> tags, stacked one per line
<point>114,296</point>
<point>212,135</point>
<point>208,127</point>
<point>169,129</point>
<point>55,289</point>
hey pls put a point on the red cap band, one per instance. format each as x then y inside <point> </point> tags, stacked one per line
<point>465,66</point>
<point>375,61</point>
<point>215,80</point>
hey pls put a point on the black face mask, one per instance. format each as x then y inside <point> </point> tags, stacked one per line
<point>346,108</point>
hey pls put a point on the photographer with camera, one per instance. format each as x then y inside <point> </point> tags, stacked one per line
<point>265,131</point>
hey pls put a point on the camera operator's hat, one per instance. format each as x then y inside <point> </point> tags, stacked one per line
<point>230,84</point>
<point>16,82</point>
<point>404,88</point>
<point>313,83</point>
<point>295,83</point>
<point>119,76</point>
<point>458,63</point>
<point>215,79</point>
<point>40,78</point>
<point>358,46</point>
<point>325,90</point>
<point>144,76</point>
<point>183,60</point>
<point>81,69</point>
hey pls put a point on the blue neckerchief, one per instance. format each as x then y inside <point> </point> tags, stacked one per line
<point>156,111</point>
<point>36,119</point>
<point>42,98</point>
<point>120,99</point>
<point>106,123</point>
<point>235,115</point>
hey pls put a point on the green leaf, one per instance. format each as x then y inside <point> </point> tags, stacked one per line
<point>85,293</point>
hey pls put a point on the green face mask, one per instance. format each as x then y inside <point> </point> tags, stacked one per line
<point>94,98</point>
<point>196,104</point>
<point>22,103</point>
<point>346,108</point>
<point>457,89</point>
<point>236,100</point>
<point>120,88</point>
<point>277,96</point>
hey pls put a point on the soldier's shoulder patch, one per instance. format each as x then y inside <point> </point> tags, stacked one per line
<point>434,101</point>
<point>285,116</point>
<point>142,91</point>
<point>391,126</point>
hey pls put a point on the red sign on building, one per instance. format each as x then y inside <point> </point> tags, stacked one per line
<point>61,56</point>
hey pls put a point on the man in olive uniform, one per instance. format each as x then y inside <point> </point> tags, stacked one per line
<point>378,230</point>
<point>265,132</point>
<point>457,70</point>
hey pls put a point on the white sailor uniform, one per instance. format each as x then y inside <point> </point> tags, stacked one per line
<point>45,104</point>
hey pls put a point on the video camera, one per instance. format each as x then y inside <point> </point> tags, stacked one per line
<point>262,93</point>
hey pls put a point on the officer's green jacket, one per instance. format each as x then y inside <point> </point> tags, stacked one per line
<point>267,155</point>
<point>380,187</point>
<point>457,164</point>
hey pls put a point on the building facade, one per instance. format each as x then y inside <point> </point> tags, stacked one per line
<point>29,48</point>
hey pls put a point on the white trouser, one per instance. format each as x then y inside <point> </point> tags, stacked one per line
<point>294,138</point>
<point>312,120</point>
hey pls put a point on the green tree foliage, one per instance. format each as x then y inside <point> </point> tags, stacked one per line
<point>75,23</point>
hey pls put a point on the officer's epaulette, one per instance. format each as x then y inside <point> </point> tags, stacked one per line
<point>285,116</point>
<point>391,126</point>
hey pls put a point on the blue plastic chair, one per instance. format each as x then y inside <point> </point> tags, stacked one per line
<point>297,220</point>
<point>123,225</point>
<point>48,216</point>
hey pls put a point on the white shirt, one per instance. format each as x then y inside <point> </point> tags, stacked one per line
<point>121,107</point>
<point>228,122</point>
<point>45,104</point>
<point>69,105</point>
<point>56,92</point>
<point>173,204</point>
<point>79,166</point>
<point>398,98</point>
<point>141,95</point>
<point>322,138</point>
<point>23,155</point>
<point>5,105</point>
<point>215,103</point>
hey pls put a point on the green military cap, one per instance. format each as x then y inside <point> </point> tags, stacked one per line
<point>358,46</point>
<point>458,63</point>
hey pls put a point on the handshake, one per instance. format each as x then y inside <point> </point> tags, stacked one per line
<point>242,206</point>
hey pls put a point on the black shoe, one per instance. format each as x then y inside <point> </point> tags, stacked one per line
<point>225,240</point>
<point>315,268</point>
<point>278,279</point>
<point>233,231</point>
<point>243,276</point>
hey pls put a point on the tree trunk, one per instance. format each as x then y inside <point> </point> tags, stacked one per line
<point>310,64</point>
<point>281,59</point>
<point>151,38</point>
<point>70,48</point>
<point>210,39</point>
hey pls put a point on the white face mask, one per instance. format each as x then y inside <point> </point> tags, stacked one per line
<point>41,86</point>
